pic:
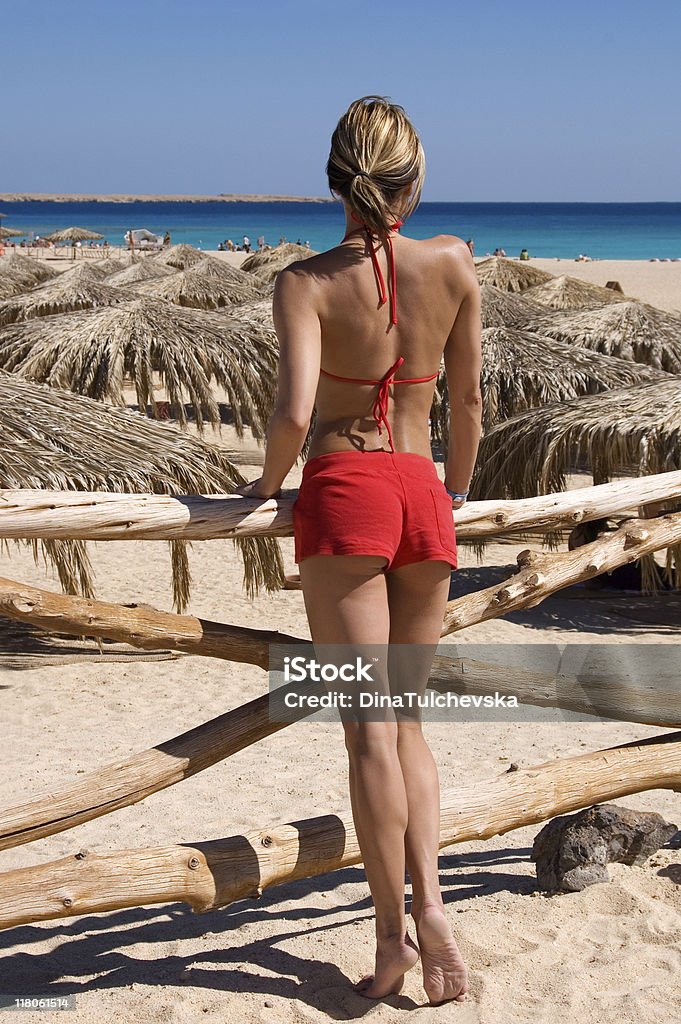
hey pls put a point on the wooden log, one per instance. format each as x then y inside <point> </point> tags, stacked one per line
<point>212,874</point>
<point>139,625</point>
<point>540,573</point>
<point>127,782</point>
<point>651,701</point>
<point>83,515</point>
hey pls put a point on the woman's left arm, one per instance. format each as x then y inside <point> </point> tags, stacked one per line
<point>298,329</point>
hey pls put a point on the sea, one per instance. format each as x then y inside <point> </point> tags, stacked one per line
<point>623,231</point>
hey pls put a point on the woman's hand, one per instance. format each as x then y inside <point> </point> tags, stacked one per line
<point>253,490</point>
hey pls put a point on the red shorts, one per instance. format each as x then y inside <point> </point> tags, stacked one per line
<point>374,503</point>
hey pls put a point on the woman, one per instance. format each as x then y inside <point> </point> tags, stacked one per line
<point>374,533</point>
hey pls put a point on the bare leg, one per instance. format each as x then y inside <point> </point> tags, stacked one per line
<point>346,602</point>
<point>417,596</point>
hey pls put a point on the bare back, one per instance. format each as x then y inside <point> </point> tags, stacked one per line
<point>358,340</point>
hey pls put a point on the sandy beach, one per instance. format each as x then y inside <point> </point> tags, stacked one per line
<point>611,952</point>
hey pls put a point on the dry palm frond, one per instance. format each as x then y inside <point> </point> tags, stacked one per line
<point>634,430</point>
<point>12,284</point>
<point>92,351</point>
<point>76,289</point>
<point>140,270</point>
<point>54,439</point>
<point>203,286</point>
<point>266,264</point>
<point>522,370</point>
<point>572,293</point>
<point>503,308</point>
<point>630,330</point>
<point>510,275</point>
<point>179,256</point>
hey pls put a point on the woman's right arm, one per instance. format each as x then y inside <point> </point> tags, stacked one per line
<point>463,361</point>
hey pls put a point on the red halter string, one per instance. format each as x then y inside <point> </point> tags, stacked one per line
<point>380,280</point>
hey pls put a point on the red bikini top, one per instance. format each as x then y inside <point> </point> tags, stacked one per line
<point>379,409</point>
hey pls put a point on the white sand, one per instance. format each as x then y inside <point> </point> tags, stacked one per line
<point>610,953</point>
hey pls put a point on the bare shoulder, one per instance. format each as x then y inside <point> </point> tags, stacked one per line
<point>453,254</point>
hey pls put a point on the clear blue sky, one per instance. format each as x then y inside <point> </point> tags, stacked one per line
<point>513,100</point>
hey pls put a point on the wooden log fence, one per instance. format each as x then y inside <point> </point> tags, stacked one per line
<point>124,783</point>
<point>212,874</point>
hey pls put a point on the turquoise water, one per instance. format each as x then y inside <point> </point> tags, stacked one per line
<point>600,230</point>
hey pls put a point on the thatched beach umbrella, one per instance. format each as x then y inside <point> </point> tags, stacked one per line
<point>73,235</point>
<point>107,265</point>
<point>54,439</point>
<point>522,370</point>
<point>140,270</point>
<point>502,308</point>
<point>179,256</point>
<point>267,263</point>
<point>92,351</point>
<point>509,275</point>
<point>571,293</point>
<point>32,270</point>
<point>631,330</point>
<point>10,233</point>
<point>627,430</point>
<point>634,430</point>
<point>79,288</point>
<point>202,286</point>
<point>20,273</point>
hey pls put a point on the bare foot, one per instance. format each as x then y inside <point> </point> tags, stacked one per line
<point>393,960</point>
<point>444,972</point>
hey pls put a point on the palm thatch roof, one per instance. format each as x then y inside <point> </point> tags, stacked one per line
<point>566,292</point>
<point>74,234</point>
<point>630,330</point>
<point>203,286</point>
<point>93,351</point>
<point>79,288</point>
<point>266,264</point>
<point>179,256</point>
<point>32,270</point>
<point>54,439</point>
<point>502,308</point>
<point>109,265</point>
<point>522,370</point>
<point>510,275</point>
<point>12,283</point>
<point>140,270</point>
<point>10,232</point>
<point>633,430</point>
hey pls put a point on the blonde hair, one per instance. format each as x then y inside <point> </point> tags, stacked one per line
<point>375,153</point>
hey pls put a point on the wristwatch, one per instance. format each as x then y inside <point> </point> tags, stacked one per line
<point>457,495</point>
